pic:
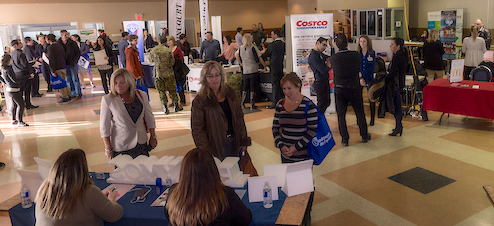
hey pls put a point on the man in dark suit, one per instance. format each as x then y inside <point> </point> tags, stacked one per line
<point>276,54</point>
<point>318,62</point>
<point>31,55</point>
<point>348,88</point>
<point>23,70</point>
<point>45,69</point>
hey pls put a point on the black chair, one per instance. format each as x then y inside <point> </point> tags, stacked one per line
<point>481,73</point>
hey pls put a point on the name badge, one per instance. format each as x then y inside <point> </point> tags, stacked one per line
<point>369,58</point>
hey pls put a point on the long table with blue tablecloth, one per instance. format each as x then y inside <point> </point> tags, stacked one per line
<point>143,214</point>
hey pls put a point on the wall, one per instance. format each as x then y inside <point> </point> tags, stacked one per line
<point>303,7</point>
<point>234,13</point>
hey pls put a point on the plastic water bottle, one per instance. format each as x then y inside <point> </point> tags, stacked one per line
<point>26,201</point>
<point>268,198</point>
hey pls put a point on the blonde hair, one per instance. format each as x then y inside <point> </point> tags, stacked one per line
<point>129,79</point>
<point>474,31</point>
<point>206,69</point>
<point>433,35</point>
<point>247,40</point>
<point>66,184</point>
<point>198,199</point>
<point>170,37</point>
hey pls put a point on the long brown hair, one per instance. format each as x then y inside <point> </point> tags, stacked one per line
<point>6,60</point>
<point>369,44</point>
<point>206,69</point>
<point>198,199</point>
<point>474,31</point>
<point>66,184</point>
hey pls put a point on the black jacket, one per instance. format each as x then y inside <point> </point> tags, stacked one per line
<point>433,55</point>
<point>236,214</point>
<point>346,67</point>
<point>72,52</point>
<point>317,63</point>
<point>10,78</point>
<point>397,69</point>
<point>56,55</point>
<point>276,53</point>
<point>20,64</point>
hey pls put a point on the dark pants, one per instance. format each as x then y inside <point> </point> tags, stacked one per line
<point>181,94</point>
<point>35,85</point>
<point>26,92</point>
<point>467,72</point>
<point>139,149</point>
<point>352,96</point>
<point>17,106</point>
<point>398,113</point>
<point>276,75</point>
<point>45,70</point>
<point>251,82</point>
<point>105,78</point>
<point>323,95</point>
<point>230,148</point>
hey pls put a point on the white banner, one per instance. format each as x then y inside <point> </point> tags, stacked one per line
<point>135,28</point>
<point>88,34</point>
<point>305,29</point>
<point>204,14</point>
<point>176,17</point>
<point>216,29</point>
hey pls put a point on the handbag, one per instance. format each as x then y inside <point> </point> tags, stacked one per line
<point>140,86</point>
<point>179,87</point>
<point>320,145</point>
<point>57,82</point>
<point>246,165</point>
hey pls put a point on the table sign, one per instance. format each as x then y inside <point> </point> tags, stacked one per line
<point>298,178</point>
<point>457,67</point>
<point>256,186</point>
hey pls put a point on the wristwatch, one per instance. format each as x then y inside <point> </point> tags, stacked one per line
<point>108,150</point>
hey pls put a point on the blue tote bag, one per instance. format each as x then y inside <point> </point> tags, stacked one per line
<point>141,86</point>
<point>320,145</point>
<point>57,82</point>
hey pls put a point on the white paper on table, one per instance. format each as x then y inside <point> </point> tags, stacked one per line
<point>298,178</point>
<point>278,170</point>
<point>475,86</point>
<point>44,167</point>
<point>240,192</point>
<point>33,181</point>
<point>99,57</point>
<point>121,190</point>
<point>256,186</point>
<point>45,59</point>
<point>161,200</point>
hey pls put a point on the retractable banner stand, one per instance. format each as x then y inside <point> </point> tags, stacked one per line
<point>305,30</point>
<point>204,14</point>
<point>216,29</point>
<point>176,17</point>
<point>135,28</point>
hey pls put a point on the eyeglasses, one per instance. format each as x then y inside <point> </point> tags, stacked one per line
<point>210,76</point>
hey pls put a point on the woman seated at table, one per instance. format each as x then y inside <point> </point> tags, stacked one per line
<point>125,118</point>
<point>69,197</point>
<point>200,198</point>
<point>291,130</point>
<point>217,120</point>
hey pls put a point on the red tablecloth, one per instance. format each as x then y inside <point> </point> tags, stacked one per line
<point>441,96</point>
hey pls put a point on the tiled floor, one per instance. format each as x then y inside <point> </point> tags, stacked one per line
<point>352,184</point>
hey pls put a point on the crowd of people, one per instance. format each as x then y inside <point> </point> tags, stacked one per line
<point>217,120</point>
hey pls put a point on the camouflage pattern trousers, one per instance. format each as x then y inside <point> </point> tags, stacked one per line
<point>167,84</point>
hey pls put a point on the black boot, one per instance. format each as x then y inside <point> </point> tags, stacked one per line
<point>373,112</point>
<point>178,107</point>
<point>166,109</point>
<point>244,95</point>
<point>396,132</point>
<point>252,101</point>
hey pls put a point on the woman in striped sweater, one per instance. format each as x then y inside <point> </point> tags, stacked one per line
<point>292,128</point>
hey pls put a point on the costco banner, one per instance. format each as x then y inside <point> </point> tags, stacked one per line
<point>176,18</point>
<point>305,30</point>
<point>204,14</point>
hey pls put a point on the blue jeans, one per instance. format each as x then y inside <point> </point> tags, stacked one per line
<point>73,80</point>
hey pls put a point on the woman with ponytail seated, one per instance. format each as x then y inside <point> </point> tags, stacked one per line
<point>200,198</point>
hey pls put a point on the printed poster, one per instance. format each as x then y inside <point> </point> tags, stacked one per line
<point>135,28</point>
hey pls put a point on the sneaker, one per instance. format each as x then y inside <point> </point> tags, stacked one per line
<point>78,97</point>
<point>22,124</point>
<point>15,122</point>
<point>64,101</point>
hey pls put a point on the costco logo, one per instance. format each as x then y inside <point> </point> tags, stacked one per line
<point>312,24</point>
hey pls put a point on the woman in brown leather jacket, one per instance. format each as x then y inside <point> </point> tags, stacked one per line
<point>217,119</point>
